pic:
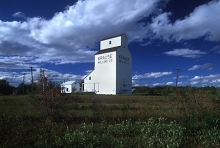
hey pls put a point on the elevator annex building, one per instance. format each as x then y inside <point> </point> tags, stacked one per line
<point>113,68</point>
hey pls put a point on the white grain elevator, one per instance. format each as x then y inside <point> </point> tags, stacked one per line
<point>113,68</point>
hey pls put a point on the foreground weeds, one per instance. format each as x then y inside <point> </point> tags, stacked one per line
<point>154,132</point>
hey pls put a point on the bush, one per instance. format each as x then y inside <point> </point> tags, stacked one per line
<point>48,99</point>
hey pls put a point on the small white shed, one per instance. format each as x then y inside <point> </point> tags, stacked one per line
<point>70,87</point>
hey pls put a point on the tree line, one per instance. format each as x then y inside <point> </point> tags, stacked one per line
<point>165,90</point>
<point>7,89</point>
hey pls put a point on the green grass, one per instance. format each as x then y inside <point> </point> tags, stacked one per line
<point>16,105</point>
<point>112,121</point>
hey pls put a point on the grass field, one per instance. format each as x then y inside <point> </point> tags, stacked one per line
<point>112,121</point>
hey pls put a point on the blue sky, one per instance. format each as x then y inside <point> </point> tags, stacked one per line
<point>62,37</point>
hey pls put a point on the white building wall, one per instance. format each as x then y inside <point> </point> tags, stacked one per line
<point>89,82</point>
<point>124,41</point>
<point>68,87</point>
<point>106,72</point>
<point>109,43</point>
<point>124,71</point>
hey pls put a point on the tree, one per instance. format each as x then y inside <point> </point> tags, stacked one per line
<point>158,89</point>
<point>46,92</point>
<point>23,88</point>
<point>167,90</point>
<point>5,88</point>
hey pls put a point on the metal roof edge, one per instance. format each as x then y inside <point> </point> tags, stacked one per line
<point>113,37</point>
<point>107,50</point>
<point>88,74</point>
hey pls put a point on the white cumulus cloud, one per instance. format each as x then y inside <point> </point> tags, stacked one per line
<point>158,84</point>
<point>19,14</point>
<point>151,75</point>
<point>203,21</point>
<point>210,79</point>
<point>69,36</point>
<point>189,53</point>
<point>181,77</point>
<point>169,83</point>
<point>194,67</point>
<point>207,66</point>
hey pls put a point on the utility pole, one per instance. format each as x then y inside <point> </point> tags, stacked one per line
<point>32,79</point>
<point>177,71</point>
<point>24,80</point>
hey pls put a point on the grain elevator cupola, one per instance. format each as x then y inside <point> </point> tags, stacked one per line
<point>113,68</point>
